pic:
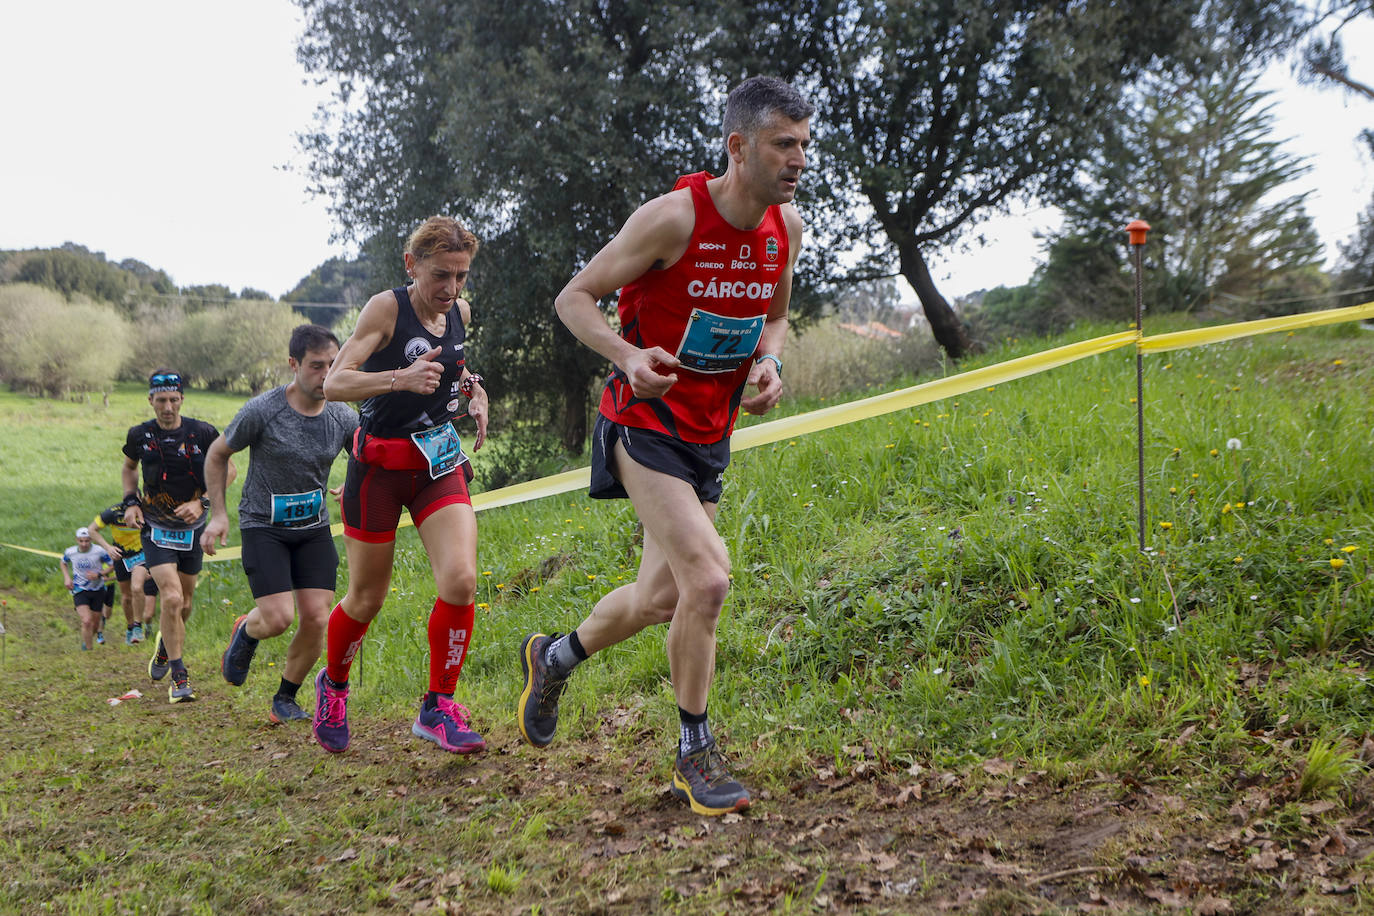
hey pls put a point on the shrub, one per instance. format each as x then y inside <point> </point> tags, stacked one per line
<point>57,348</point>
<point>827,359</point>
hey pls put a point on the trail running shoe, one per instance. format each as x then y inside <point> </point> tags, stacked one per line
<point>100,638</point>
<point>447,726</point>
<point>180,691</point>
<point>129,636</point>
<point>700,779</point>
<point>331,716</point>
<point>137,635</point>
<point>157,665</point>
<point>538,713</point>
<point>238,655</point>
<point>285,709</point>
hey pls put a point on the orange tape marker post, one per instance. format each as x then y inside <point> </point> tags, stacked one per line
<point>1137,229</point>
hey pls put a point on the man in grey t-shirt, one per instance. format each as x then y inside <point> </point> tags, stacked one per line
<point>293,435</point>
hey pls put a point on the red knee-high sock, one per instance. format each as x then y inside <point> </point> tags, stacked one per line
<point>344,637</point>
<point>450,628</point>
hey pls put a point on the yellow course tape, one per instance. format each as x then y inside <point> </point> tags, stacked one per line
<point>1199,336</point>
<point>880,404</point>
<point>867,408</point>
<point>41,553</point>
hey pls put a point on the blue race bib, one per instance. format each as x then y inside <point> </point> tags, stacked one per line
<point>173,539</point>
<point>441,447</point>
<point>295,510</point>
<point>718,343</point>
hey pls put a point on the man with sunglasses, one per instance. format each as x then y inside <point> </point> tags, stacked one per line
<point>171,512</point>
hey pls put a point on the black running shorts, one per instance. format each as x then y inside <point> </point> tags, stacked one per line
<point>187,562</point>
<point>702,466</point>
<point>93,599</point>
<point>277,560</point>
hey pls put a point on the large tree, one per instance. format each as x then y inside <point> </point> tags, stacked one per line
<point>542,125</point>
<point>1198,159</point>
<point>934,116</point>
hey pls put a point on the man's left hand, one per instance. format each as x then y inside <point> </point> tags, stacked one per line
<point>764,374</point>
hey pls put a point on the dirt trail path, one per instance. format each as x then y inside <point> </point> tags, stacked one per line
<point>394,826</point>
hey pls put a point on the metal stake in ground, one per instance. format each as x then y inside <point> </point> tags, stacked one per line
<point>1137,229</point>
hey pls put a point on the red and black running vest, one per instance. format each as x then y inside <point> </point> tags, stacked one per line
<point>397,414</point>
<point>708,309</point>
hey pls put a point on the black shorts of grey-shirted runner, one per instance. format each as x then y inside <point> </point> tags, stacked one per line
<point>277,560</point>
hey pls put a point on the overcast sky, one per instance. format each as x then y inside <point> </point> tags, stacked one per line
<point>166,131</point>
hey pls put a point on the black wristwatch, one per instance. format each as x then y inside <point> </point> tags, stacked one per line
<point>205,502</point>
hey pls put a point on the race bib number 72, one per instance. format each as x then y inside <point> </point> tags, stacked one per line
<point>718,343</point>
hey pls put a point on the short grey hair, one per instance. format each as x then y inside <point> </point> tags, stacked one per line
<point>754,101</point>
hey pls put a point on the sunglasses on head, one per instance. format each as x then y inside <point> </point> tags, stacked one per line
<point>169,378</point>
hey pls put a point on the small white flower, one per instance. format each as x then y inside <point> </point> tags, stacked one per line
<point>1233,445</point>
<point>1135,601</point>
<point>937,671</point>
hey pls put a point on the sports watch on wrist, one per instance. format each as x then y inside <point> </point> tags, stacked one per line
<point>777,362</point>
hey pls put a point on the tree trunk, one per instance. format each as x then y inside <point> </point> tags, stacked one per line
<point>949,331</point>
<point>572,432</point>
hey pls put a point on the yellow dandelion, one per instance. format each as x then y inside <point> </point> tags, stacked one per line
<point>1226,509</point>
<point>1215,453</point>
<point>1328,541</point>
<point>486,572</point>
<point>1166,525</point>
<point>1338,362</point>
<point>591,577</point>
<point>1240,505</point>
<point>1144,680</point>
<point>1337,562</point>
<point>1168,365</point>
<point>500,585</point>
<point>483,606</point>
<point>890,445</point>
<point>1132,400</point>
<point>1237,559</point>
<point>991,388</point>
<point>1196,476</point>
<point>534,588</point>
<point>1173,490</point>
<point>1349,548</point>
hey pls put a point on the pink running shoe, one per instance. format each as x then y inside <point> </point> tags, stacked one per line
<point>447,726</point>
<point>331,715</point>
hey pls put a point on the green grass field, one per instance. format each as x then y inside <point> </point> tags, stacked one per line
<point>948,598</point>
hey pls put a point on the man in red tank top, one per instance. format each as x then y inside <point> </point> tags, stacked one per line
<point>705,276</point>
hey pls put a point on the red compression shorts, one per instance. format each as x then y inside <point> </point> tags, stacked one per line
<point>376,490</point>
